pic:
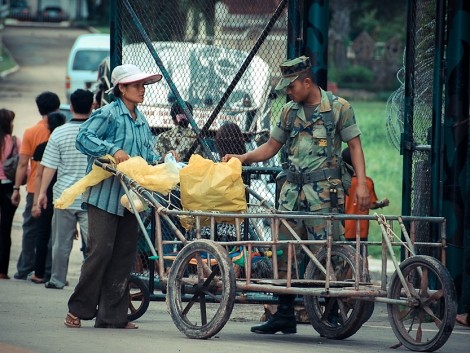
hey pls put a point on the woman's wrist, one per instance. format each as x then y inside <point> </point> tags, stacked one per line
<point>17,188</point>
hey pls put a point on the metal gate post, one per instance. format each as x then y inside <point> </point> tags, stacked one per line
<point>456,159</point>
<point>315,29</point>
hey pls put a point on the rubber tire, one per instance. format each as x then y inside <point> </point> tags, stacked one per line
<point>357,311</point>
<point>139,298</point>
<point>199,325</point>
<point>443,307</point>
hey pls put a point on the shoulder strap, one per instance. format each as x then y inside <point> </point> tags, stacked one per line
<point>329,121</point>
<point>14,147</point>
<point>290,123</point>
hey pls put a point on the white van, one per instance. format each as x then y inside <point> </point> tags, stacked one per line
<point>86,54</point>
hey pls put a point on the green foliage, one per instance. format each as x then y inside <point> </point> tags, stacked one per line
<point>6,61</point>
<point>383,20</point>
<point>355,76</point>
<point>369,22</point>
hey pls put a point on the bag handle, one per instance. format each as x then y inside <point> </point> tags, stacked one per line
<point>14,147</point>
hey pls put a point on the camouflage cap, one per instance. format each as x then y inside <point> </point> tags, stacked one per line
<point>291,69</point>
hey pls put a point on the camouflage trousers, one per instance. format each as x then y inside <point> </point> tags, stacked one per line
<point>306,229</point>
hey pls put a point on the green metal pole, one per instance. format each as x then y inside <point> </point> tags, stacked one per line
<point>115,30</point>
<point>294,34</point>
<point>436,130</point>
<point>407,145</point>
<point>456,157</point>
<point>316,38</point>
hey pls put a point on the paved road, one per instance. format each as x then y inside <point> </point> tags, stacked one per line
<point>41,54</point>
<point>31,316</point>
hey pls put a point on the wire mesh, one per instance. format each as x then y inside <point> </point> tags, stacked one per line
<point>422,95</point>
<point>203,45</point>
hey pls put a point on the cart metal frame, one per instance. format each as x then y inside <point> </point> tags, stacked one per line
<point>201,287</point>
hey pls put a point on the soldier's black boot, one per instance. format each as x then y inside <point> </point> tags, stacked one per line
<point>283,320</point>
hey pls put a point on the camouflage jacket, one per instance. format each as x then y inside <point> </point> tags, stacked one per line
<point>178,139</point>
<point>308,148</point>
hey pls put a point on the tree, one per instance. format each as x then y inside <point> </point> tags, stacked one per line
<point>340,27</point>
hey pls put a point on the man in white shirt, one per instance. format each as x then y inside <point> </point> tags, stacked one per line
<point>61,156</point>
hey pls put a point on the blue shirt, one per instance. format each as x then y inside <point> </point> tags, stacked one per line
<point>108,130</point>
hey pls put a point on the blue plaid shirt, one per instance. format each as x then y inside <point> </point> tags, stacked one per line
<point>108,130</point>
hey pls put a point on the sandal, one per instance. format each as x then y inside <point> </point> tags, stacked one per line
<point>37,280</point>
<point>462,319</point>
<point>131,326</point>
<point>72,321</point>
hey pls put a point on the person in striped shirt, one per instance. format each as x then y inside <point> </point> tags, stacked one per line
<point>62,157</point>
<point>118,129</point>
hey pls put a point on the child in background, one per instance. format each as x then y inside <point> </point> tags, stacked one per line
<point>351,208</point>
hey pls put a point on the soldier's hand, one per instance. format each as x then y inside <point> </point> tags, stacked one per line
<point>362,197</point>
<point>228,157</point>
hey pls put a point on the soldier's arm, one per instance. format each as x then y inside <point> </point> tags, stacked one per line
<point>260,154</point>
<point>357,158</point>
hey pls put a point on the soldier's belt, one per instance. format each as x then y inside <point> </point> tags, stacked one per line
<point>317,175</point>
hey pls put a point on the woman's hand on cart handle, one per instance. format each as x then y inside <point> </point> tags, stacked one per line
<point>120,156</point>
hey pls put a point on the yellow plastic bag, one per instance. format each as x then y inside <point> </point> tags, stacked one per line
<point>95,176</point>
<point>160,178</point>
<point>136,200</point>
<point>209,186</point>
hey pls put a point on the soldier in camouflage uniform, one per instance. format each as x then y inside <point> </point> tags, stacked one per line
<point>180,138</point>
<point>311,175</point>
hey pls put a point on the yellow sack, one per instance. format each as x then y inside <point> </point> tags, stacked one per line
<point>209,186</point>
<point>95,176</point>
<point>160,178</point>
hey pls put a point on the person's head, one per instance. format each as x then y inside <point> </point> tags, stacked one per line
<point>81,101</point>
<point>129,82</point>
<point>54,120</point>
<point>297,78</point>
<point>47,102</point>
<point>6,125</point>
<point>178,115</point>
<point>346,155</point>
<point>229,139</point>
<point>6,122</point>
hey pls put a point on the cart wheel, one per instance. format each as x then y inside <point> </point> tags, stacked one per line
<point>336,318</point>
<point>201,289</point>
<point>139,298</point>
<point>426,321</point>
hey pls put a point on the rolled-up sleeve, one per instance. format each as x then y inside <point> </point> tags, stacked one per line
<point>348,128</point>
<point>279,131</point>
<point>90,136</point>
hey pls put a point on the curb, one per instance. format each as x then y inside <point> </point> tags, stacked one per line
<point>5,73</point>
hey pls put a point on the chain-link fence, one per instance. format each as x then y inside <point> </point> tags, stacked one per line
<point>220,62</point>
<point>414,134</point>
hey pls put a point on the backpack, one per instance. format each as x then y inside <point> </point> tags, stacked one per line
<point>11,163</point>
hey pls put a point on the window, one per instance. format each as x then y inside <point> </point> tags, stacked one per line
<point>89,60</point>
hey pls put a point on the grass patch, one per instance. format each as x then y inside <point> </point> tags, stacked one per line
<point>6,61</point>
<point>384,163</point>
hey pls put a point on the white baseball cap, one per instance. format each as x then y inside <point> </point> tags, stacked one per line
<point>128,73</point>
